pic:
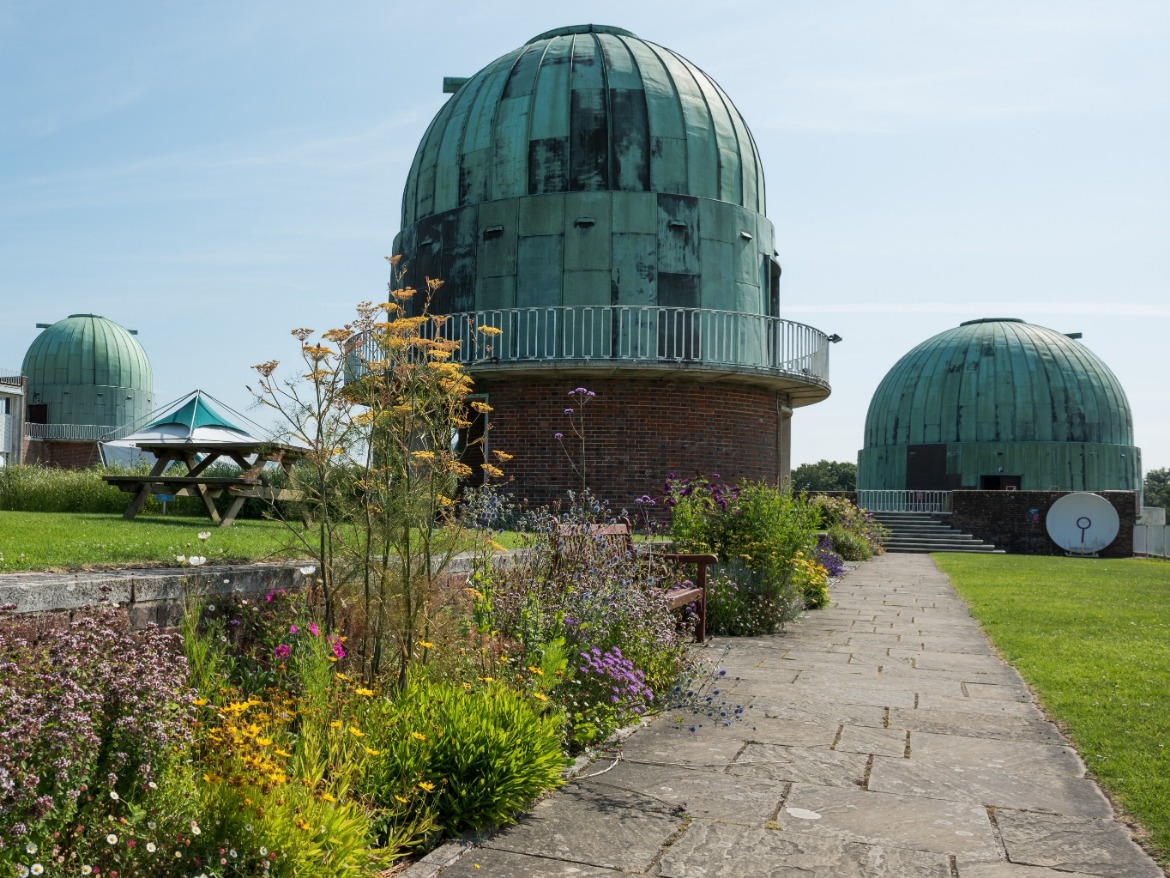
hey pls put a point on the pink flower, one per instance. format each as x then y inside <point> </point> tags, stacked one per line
<point>292,629</point>
<point>283,651</point>
<point>313,629</point>
<point>338,649</point>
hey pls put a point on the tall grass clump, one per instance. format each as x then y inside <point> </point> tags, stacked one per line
<point>25,488</point>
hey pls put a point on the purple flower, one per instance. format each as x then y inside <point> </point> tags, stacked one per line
<point>338,649</point>
<point>558,435</point>
<point>292,629</point>
<point>568,411</point>
<point>313,629</point>
<point>283,651</point>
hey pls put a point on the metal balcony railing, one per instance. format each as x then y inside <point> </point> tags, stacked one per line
<point>904,501</point>
<point>71,432</point>
<point>612,335</point>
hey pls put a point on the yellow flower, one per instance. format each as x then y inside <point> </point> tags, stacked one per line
<point>283,753</point>
<point>199,702</point>
<point>263,742</point>
<point>488,679</point>
<point>418,736</point>
<point>356,732</point>
<point>425,644</point>
<point>373,752</point>
<point>301,824</point>
<point>340,676</point>
<point>490,330</point>
<point>336,724</point>
<point>502,456</point>
<point>366,692</point>
<point>328,798</point>
<point>539,696</point>
<point>400,799</point>
<point>536,670</point>
<point>492,470</point>
<point>426,785</point>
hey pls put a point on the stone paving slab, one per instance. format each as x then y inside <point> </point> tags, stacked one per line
<point>933,825</point>
<point>880,737</point>
<point>714,850</point>
<point>610,828</point>
<point>804,764</point>
<point>1019,757</point>
<point>706,794</point>
<point>989,786</point>
<point>1095,847</point>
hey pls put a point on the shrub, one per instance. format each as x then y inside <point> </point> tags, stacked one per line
<point>849,544</point>
<point>764,532</point>
<point>462,758</point>
<point>568,600</point>
<point>854,532</point>
<point>95,725</point>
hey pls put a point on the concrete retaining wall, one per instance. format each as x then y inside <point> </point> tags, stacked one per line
<point>156,595</point>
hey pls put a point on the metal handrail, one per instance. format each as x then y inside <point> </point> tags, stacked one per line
<point>904,501</point>
<point>629,334</point>
<point>70,432</point>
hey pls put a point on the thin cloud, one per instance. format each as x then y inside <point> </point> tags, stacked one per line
<point>1093,309</point>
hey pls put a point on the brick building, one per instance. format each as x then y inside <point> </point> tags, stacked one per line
<point>600,200</point>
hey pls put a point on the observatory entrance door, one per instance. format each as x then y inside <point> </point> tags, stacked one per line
<point>926,468</point>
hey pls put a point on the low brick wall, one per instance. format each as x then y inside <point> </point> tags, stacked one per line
<point>1014,520</point>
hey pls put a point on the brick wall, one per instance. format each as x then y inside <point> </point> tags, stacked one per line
<point>1014,520</point>
<point>637,431</point>
<point>67,455</point>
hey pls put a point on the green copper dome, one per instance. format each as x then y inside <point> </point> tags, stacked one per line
<point>88,370</point>
<point>589,167</point>
<point>997,399</point>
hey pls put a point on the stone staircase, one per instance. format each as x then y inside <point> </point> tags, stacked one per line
<point>922,532</point>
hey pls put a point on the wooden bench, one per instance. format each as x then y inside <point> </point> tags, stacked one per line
<point>620,535</point>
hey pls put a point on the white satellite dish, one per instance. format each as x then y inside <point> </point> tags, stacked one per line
<point>1082,524</point>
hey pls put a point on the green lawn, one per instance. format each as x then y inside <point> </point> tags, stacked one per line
<point>1092,637</point>
<point>71,541</point>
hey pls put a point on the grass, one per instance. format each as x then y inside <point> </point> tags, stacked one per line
<point>75,541</point>
<point>1092,638</point>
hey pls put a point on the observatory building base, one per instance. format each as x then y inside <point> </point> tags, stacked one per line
<point>636,433</point>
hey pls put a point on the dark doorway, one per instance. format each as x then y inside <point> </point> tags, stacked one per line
<point>1000,483</point>
<point>926,468</point>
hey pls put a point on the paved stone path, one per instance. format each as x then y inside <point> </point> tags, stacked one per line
<point>883,738</point>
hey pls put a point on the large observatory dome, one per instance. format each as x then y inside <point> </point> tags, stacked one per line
<point>87,370</point>
<point>587,168</point>
<point>1000,403</point>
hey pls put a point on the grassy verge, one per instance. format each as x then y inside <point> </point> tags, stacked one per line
<point>73,541</point>
<point>79,540</point>
<point>1092,637</point>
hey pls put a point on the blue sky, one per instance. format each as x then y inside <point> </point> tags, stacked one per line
<point>216,174</point>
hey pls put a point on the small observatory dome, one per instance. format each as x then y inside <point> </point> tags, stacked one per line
<point>87,370</point>
<point>1000,403</point>
<point>589,168</point>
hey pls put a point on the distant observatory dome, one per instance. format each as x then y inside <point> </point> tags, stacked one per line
<point>87,370</point>
<point>999,399</point>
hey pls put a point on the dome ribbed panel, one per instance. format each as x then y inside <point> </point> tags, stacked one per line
<point>583,110</point>
<point>87,350</point>
<point>999,382</point>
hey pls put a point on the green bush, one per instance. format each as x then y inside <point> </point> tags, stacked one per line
<point>466,758</point>
<point>855,533</point>
<point>766,533</point>
<point>850,545</point>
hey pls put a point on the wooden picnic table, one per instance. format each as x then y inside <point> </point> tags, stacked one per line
<point>250,457</point>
